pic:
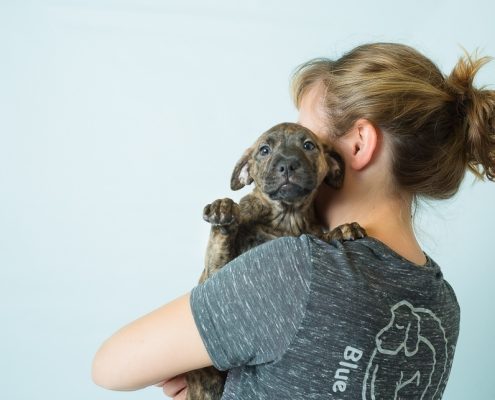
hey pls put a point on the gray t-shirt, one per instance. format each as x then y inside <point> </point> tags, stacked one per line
<point>300,318</point>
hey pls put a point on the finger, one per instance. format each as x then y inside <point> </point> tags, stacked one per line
<point>182,395</point>
<point>161,383</point>
<point>173,386</point>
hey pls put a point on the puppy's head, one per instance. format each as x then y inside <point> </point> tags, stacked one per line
<point>287,163</point>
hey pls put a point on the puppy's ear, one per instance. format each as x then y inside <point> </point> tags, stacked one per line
<point>240,175</point>
<point>336,169</point>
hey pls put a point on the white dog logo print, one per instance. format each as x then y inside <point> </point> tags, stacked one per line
<point>410,359</point>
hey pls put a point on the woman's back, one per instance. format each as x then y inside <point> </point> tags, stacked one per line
<point>302,318</point>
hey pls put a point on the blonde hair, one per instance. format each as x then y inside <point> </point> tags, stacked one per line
<point>439,126</point>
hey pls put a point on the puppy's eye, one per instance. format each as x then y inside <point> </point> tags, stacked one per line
<point>264,150</point>
<point>308,145</point>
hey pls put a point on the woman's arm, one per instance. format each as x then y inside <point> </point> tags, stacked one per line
<point>247,313</point>
<point>153,348</point>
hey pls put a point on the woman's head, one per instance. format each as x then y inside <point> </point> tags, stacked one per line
<point>434,126</point>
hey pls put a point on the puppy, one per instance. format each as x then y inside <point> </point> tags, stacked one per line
<point>287,164</point>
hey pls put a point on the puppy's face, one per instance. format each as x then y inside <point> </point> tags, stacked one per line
<point>287,163</point>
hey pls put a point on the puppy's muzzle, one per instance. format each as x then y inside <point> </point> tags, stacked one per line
<point>289,179</point>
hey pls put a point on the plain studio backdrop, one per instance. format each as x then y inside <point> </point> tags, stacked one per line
<point>120,120</point>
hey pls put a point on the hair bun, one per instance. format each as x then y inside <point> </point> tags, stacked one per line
<point>462,76</point>
<point>477,110</point>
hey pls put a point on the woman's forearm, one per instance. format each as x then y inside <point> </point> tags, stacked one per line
<point>155,347</point>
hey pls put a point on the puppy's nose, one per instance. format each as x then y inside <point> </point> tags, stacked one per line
<point>287,166</point>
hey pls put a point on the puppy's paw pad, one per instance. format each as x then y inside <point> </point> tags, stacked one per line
<point>222,212</point>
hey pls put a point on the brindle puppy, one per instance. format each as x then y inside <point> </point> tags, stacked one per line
<point>287,164</point>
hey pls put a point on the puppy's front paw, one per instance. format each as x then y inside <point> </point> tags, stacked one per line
<point>350,231</point>
<point>222,213</point>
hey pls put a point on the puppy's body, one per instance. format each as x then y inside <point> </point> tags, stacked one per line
<point>254,221</point>
<point>287,164</point>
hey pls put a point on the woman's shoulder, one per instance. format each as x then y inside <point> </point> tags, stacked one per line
<point>283,248</point>
<point>371,258</point>
<point>284,259</point>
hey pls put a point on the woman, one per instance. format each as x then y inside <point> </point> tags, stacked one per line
<point>372,318</point>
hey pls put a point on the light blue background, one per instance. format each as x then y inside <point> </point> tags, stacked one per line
<point>120,120</point>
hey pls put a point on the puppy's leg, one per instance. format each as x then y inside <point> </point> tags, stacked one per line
<point>224,216</point>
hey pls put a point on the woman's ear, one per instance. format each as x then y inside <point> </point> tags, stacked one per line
<point>240,175</point>
<point>361,143</point>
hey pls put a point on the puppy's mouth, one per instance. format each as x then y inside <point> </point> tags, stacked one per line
<point>289,191</point>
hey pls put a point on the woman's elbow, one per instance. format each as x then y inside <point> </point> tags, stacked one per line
<point>100,371</point>
<point>106,372</point>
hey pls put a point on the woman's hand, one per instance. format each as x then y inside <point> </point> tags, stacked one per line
<point>175,387</point>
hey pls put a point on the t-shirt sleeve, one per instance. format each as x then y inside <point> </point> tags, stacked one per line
<point>249,311</point>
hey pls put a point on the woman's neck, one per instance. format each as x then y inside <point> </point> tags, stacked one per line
<point>387,219</point>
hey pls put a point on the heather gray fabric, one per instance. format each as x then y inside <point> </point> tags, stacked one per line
<point>299,318</point>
